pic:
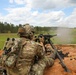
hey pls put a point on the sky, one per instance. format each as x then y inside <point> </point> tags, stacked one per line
<point>52,13</point>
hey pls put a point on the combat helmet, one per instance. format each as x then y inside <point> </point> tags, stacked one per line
<point>26,30</point>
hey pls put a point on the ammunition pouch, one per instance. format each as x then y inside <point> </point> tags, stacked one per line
<point>11,60</point>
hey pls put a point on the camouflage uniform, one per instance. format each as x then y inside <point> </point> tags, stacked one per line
<point>23,56</point>
<point>19,62</point>
<point>47,61</point>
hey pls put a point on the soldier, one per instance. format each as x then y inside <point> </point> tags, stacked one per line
<point>26,57</point>
<point>47,61</point>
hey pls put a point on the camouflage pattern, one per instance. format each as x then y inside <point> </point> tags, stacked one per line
<point>47,61</point>
<point>10,52</point>
<point>38,68</point>
<point>26,31</point>
<point>23,56</point>
<point>28,28</point>
<point>19,62</point>
<point>30,49</point>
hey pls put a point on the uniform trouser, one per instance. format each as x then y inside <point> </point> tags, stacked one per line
<point>38,68</point>
<point>20,71</point>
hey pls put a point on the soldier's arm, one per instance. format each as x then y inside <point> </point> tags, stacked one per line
<point>39,67</point>
<point>47,59</point>
<point>50,50</point>
<point>40,52</point>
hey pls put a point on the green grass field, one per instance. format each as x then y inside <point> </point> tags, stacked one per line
<point>56,40</point>
<point>4,36</point>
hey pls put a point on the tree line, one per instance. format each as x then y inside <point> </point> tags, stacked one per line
<point>8,27</point>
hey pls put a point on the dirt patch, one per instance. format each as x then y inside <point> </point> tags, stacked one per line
<point>69,61</point>
<point>1,51</point>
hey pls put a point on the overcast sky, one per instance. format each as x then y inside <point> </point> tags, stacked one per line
<point>39,12</point>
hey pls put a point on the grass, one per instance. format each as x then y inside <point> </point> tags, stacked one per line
<point>4,36</point>
<point>55,40</point>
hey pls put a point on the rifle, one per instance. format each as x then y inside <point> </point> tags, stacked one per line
<point>47,40</point>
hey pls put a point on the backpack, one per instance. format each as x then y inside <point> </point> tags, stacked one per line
<point>11,50</point>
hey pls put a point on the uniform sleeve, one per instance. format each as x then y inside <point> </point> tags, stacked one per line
<point>40,53</point>
<point>39,67</point>
<point>48,60</point>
